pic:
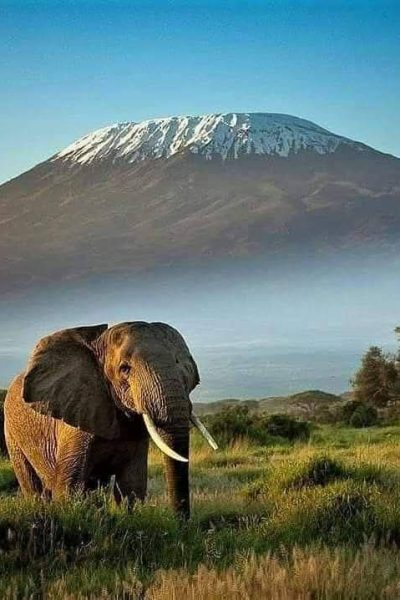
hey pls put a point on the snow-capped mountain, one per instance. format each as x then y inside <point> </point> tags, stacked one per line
<point>227,136</point>
<point>135,196</point>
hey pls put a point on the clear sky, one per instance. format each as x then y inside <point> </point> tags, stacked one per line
<point>68,67</point>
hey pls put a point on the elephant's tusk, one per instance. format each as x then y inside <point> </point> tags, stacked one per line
<point>155,436</point>
<point>204,431</point>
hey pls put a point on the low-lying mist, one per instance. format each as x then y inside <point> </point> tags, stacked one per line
<point>255,330</point>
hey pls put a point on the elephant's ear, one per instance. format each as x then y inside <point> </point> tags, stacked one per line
<point>172,337</point>
<point>65,381</point>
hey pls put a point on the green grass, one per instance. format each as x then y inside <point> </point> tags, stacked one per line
<point>309,508</point>
<point>8,483</point>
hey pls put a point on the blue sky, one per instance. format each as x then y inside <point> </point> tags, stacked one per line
<point>68,67</point>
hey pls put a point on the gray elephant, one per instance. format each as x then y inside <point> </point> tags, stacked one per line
<point>87,404</point>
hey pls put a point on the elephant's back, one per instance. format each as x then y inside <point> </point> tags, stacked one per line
<point>33,433</point>
<point>16,411</point>
<point>13,402</point>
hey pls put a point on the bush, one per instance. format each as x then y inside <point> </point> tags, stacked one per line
<point>349,408</point>
<point>364,416</point>
<point>287,427</point>
<point>230,424</point>
<point>233,423</point>
<point>358,414</point>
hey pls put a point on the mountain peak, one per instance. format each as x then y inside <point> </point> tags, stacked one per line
<point>223,135</point>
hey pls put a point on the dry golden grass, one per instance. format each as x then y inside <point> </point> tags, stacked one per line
<point>322,574</point>
<point>301,576</point>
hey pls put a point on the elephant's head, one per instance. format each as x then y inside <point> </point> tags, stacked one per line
<point>88,376</point>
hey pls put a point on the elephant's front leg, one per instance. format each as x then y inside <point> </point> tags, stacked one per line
<point>71,462</point>
<point>131,478</point>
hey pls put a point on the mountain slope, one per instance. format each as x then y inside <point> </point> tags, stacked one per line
<point>190,190</point>
<point>308,405</point>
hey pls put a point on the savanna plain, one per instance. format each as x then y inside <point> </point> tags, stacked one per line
<point>312,518</point>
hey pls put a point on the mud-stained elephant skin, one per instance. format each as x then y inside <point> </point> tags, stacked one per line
<point>74,417</point>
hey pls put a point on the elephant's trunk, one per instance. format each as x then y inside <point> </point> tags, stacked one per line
<point>166,402</point>
<point>177,473</point>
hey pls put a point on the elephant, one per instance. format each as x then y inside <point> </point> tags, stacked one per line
<point>88,403</point>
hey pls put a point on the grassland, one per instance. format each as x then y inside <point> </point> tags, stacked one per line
<point>291,521</point>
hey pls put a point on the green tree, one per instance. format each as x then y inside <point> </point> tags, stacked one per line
<point>376,382</point>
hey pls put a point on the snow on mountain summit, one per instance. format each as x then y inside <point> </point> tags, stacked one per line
<point>228,135</point>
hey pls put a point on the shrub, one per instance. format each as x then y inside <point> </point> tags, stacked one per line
<point>358,414</point>
<point>288,427</point>
<point>349,408</point>
<point>233,423</point>
<point>364,416</point>
<point>230,424</point>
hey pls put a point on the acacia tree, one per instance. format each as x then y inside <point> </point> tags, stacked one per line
<point>377,380</point>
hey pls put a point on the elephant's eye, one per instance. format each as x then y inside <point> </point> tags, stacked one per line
<point>124,368</point>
